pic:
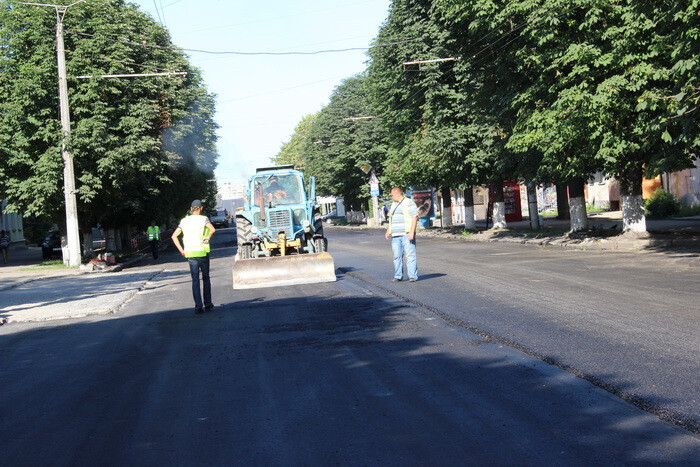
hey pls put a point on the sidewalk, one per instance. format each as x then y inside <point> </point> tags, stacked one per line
<point>605,233</point>
<point>29,293</point>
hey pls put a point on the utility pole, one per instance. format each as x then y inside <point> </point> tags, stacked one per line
<point>72,231</point>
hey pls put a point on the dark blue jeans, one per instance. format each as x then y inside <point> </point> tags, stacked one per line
<point>197,264</point>
<point>154,248</point>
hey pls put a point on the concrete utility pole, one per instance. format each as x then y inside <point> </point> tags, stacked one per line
<point>71,257</point>
<point>72,231</point>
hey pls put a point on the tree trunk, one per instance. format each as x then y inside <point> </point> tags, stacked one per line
<point>633,217</point>
<point>577,205</point>
<point>469,218</point>
<point>118,239</point>
<point>562,201</point>
<point>499,206</point>
<point>446,207</point>
<point>127,235</point>
<point>110,242</point>
<point>532,206</point>
<point>87,241</point>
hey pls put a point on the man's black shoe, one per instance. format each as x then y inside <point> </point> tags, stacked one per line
<point>209,307</point>
<point>198,311</point>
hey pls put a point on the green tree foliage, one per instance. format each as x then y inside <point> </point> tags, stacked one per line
<point>338,147</point>
<point>447,124</point>
<point>586,73</point>
<point>294,151</point>
<point>143,147</point>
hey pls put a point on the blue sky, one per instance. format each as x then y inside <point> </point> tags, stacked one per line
<point>260,99</point>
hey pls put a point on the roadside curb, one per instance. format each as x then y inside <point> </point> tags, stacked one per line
<point>630,241</point>
<point>623,242</point>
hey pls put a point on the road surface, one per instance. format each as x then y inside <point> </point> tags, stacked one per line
<point>359,371</point>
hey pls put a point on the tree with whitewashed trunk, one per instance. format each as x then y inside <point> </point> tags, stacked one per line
<point>469,217</point>
<point>446,207</point>
<point>499,205</point>
<point>532,209</point>
<point>577,205</point>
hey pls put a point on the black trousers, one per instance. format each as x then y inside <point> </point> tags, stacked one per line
<point>154,248</point>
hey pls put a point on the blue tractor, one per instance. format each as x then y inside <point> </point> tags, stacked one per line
<point>280,232</point>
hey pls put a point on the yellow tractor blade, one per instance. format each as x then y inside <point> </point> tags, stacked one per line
<point>279,271</point>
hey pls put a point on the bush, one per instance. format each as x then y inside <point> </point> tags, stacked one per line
<point>689,211</point>
<point>662,204</point>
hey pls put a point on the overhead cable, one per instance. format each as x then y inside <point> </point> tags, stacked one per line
<point>212,52</point>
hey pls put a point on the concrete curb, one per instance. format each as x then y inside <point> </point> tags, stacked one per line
<point>620,242</point>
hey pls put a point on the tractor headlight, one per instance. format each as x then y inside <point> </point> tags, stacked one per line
<point>305,223</point>
<point>254,230</point>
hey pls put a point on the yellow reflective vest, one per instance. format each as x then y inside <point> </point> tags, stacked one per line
<point>193,228</point>
<point>153,233</point>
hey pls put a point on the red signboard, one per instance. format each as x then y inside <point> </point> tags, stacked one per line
<point>511,196</point>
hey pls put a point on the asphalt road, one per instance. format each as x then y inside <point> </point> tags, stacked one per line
<point>628,321</point>
<point>357,372</point>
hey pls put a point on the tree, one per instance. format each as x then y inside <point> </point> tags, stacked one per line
<point>294,151</point>
<point>340,146</point>
<point>132,139</point>
<point>442,132</point>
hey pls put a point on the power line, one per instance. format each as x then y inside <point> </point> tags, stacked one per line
<point>277,90</point>
<point>212,52</point>
<point>157,12</point>
<point>160,2</point>
<point>134,75</point>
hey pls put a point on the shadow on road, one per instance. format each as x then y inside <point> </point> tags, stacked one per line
<point>320,378</point>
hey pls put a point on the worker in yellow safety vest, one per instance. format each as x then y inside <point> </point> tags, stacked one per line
<point>196,231</point>
<point>154,238</point>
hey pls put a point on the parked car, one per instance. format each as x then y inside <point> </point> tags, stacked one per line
<point>330,217</point>
<point>51,246</point>
<point>219,217</point>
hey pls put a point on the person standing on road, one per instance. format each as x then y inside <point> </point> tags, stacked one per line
<point>196,232</point>
<point>403,220</point>
<point>4,244</point>
<point>154,238</point>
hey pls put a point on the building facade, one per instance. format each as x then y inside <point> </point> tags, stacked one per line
<point>12,223</point>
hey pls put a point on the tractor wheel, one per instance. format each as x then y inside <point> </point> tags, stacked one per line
<point>243,233</point>
<point>320,244</point>
<point>318,223</point>
<point>245,251</point>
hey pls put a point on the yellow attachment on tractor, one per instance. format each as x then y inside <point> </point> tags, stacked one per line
<point>282,244</point>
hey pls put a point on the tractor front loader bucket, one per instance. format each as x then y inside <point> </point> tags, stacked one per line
<point>278,271</point>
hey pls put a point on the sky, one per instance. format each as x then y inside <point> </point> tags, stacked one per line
<point>260,99</point>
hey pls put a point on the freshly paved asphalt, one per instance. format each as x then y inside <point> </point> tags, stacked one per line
<point>356,372</point>
<point>629,321</point>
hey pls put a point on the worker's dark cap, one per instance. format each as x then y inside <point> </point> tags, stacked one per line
<point>196,204</point>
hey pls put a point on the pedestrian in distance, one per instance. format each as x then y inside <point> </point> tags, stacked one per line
<point>154,238</point>
<point>403,220</point>
<point>196,231</point>
<point>4,244</point>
